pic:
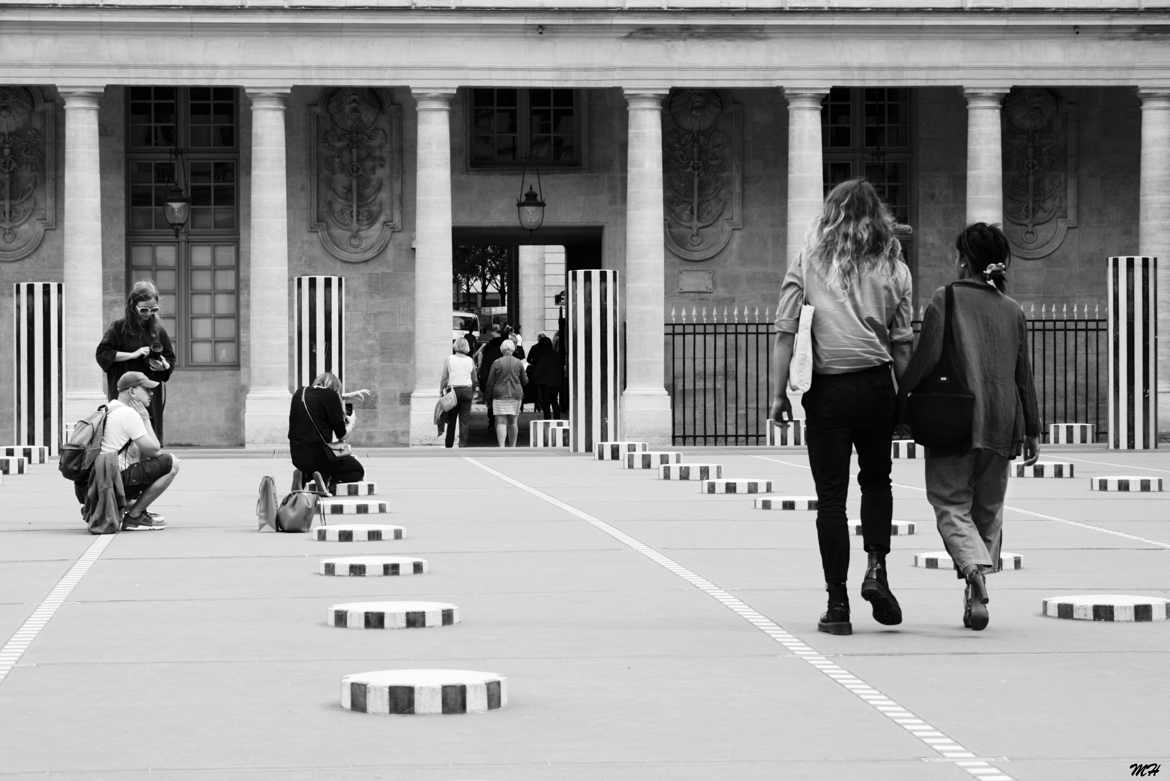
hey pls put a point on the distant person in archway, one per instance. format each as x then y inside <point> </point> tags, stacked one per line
<point>505,385</point>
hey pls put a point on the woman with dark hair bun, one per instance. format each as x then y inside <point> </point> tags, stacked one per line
<point>139,343</point>
<point>967,488</point>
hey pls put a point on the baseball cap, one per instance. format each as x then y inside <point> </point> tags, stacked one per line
<point>132,379</point>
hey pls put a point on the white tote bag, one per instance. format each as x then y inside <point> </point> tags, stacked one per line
<point>800,369</point>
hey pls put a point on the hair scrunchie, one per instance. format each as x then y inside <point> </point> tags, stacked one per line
<point>994,270</point>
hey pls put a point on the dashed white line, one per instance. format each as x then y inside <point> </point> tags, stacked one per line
<point>948,749</point>
<point>20,641</point>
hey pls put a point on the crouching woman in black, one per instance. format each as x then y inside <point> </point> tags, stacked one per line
<point>317,427</point>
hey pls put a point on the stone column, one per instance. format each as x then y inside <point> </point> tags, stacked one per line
<point>806,172</point>
<point>645,414</point>
<point>432,258</point>
<point>531,288</point>
<point>1154,228</point>
<point>85,383</point>
<point>266,404</point>
<point>984,155</point>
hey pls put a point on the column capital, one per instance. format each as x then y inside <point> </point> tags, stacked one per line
<point>81,97</point>
<point>268,98</point>
<point>433,98</point>
<point>643,99</point>
<point>808,98</point>
<point>985,97</point>
<point>1154,98</point>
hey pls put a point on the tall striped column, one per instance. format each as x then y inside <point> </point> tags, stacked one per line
<point>595,360</point>
<point>320,308</point>
<point>38,348</point>
<point>1133,365</point>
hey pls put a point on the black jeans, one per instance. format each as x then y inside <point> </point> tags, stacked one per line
<point>843,412</point>
<point>462,413</point>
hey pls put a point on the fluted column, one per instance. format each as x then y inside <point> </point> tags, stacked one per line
<point>1154,228</point>
<point>984,155</point>
<point>806,172</point>
<point>266,405</point>
<point>432,258</point>
<point>645,402</point>
<point>84,380</point>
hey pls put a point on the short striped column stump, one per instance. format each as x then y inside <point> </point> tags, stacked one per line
<point>942,560</point>
<point>12,465</point>
<point>689,471</point>
<point>357,532</point>
<point>786,503</point>
<point>392,615</point>
<point>352,505</point>
<point>548,433</point>
<point>372,566</point>
<point>897,529</point>
<point>616,451</point>
<point>1053,469</point>
<point>32,454</point>
<point>787,435</point>
<point>906,448</point>
<point>1072,434</point>
<point>1107,607</point>
<point>651,459</point>
<point>1126,483</point>
<point>355,489</point>
<point>735,485</point>
<point>423,692</point>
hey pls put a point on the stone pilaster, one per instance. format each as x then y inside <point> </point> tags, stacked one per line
<point>266,404</point>
<point>984,155</point>
<point>806,175</point>
<point>531,288</point>
<point>1154,228</point>
<point>84,380</point>
<point>646,414</point>
<point>432,258</point>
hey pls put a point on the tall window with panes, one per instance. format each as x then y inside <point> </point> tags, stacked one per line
<point>188,136</point>
<point>509,126</point>
<point>867,133</point>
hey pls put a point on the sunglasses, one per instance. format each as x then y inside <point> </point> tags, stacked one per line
<point>147,310</point>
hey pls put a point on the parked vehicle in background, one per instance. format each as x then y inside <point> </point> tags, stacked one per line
<point>462,322</point>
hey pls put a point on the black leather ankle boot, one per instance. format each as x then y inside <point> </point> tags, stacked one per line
<point>835,621</point>
<point>975,614</point>
<point>875,589</point>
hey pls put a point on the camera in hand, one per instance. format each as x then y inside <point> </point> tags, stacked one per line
<point>348,408</point>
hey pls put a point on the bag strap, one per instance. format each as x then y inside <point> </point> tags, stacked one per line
<point>308,414</point>
<point>946,362</point>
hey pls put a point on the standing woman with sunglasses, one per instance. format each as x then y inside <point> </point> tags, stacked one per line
<point>139,343</point>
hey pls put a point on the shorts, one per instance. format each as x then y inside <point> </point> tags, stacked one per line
<point>136,478</point>
<point>505,407</point>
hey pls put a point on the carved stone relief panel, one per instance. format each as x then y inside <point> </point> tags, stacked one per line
<point>357,170</point>
<point>1040,163</point>
<point>28,184</point>
<point>702,178</point>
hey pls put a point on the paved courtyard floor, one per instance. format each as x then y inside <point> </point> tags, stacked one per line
<point>646,631</point>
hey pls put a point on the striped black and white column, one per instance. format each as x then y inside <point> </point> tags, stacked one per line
<point>38,346</point>
<point>1133,365</point>
<point>595,360</point>
<point>320,308</point>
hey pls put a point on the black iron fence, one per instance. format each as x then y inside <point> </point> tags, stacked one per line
<point>718,365</point>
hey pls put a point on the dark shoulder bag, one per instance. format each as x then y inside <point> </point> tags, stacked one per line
<point>942,408</point>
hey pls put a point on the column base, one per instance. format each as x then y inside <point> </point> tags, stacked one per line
<point>422,419</point>
<point>646,417</point>
<point>266,418</point>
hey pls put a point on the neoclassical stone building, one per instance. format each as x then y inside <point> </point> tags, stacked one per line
<point>685,143</point>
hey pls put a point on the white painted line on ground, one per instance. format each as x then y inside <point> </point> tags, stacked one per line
<point>1135,538</point>
<point>22,639</point>
<point>1123,466</point>
<point>851,683</point>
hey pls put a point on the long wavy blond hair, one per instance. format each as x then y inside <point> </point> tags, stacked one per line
<point>853,235</point>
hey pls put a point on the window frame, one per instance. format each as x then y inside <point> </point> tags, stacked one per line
<point>190,237</point>
<point>523,132</point>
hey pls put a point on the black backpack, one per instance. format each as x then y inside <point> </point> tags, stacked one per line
<point>83,447</point>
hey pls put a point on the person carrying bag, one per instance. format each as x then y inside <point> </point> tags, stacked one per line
<point>316,419</point>
<point>974,340</point>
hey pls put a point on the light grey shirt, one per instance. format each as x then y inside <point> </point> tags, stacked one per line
<point>852,329</point>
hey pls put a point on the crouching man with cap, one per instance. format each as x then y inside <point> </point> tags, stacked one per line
<point>146,470</point>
